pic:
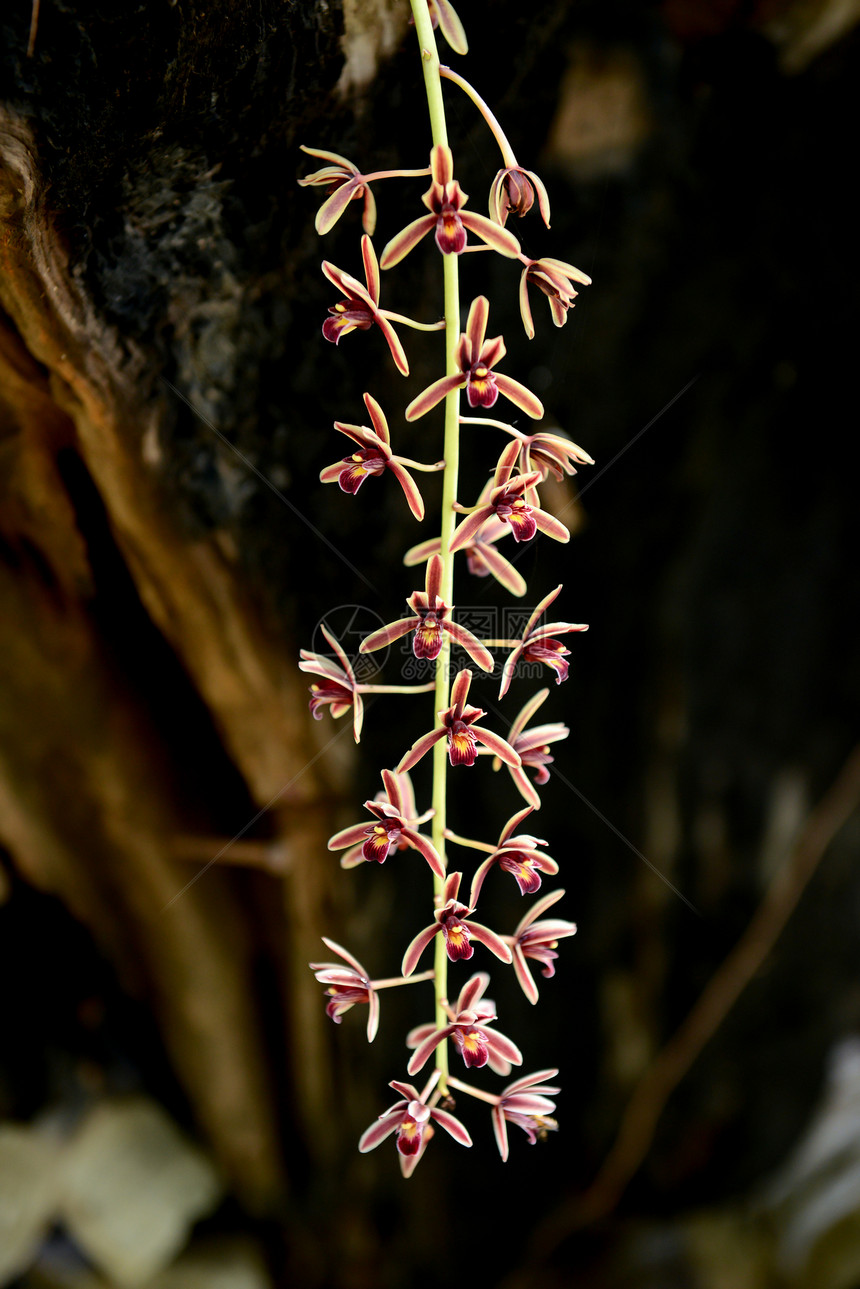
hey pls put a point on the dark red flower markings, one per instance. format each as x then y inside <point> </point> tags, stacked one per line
<point>373,457</point>
<point>453,920</point>
<point>459,726</point>
<point>430,622</point>
<point>395,827</point>
<point>359,309</point>
<point>471,1032</point>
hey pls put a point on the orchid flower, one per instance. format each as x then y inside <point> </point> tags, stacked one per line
<point>482,558</point>
<point>513,192</point>
<point>537,644</point>
<point>475,358</point>
<point>347,986</point>
<point>429,622</point>
<point>526,1103</point>
<point>345,183</point>
<point>453,921</point>
<point>393,828</point>
<point>339,689</point>
<point>555,279</point>
<point>410,1119</point>
<point>458,726</point>
<point>374,457</point>
<point>533,748</point>
<point>359,310</point>
<point>538,940</point>
<point>470,1031</point>
<point>445,200</point>
<point>512,499</point>
<point>518,854</point>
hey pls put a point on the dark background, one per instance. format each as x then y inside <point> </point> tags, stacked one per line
<point>699,164</point>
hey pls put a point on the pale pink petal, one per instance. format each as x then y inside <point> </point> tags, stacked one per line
<point>371,268</point>
<point>372,1016</point>
<point>434,394</point>
<point>418,554</point>
<point>493,942</point>
<point>354,857</point>
<point>500,1128</point>
<point>509,668</point>
<point>345,954</point>
<point>417,947</point>
<point>420,748</point>
<point>568,270</point>
<point>433,579</point>
<point>377,1132</point>
<point>333,207</point>
<point>417,1035</point>
<point>397,350</point>
<point>540,906</point>
<point>498,238</point>
<point>386,635</point>
<point>346,283</point>
<point>476,324</point>
<point>551,526</point>
<point>332,473</point>
<point>334,157</point>
<point>409,486</point>
<point>505,464</point>
<point>496,744</point>
<point>521,397</point>
<point>478,880</point>
<point>524,976</point>
<point>442,164</point>
<point>529,1080</point>
<point>513,824</point>
<point>503,571</point>
<point>426,1049</point>
<point>460,687</point>
<point>348,836</point>
<point>507,1050</point>
<point>357,716</point>
<point>426,848</point>
<point>471,644</point>
<point>469,528</point>
<point>525,786</point>
<point>543,198</point>
<point>406,240</point>
<point>451,1126</point>
<point>451,27</point>
<point>473,989</point>
<point>492,351</point>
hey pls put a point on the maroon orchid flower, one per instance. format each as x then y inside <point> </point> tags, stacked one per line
<point>345,183</point>
<point>482,558</point>
<point>394,829</point>
<point>537,644</point>
<point>339,688</point>
<point>538,940</point>
<point>445,200</point>
<point>550,454</point>
<point>458,726</point>
<point>555,279</point>
<point>533,748</point>
<point>410,1119</point>
<point>470,1031</point>
<point>475,358</point>
<point>513,192</point>
<point>347,987</point>
<point>359,310</point>
<point>374,457</point>
<point>517,854</point>
<point>430,623</point>
<point>526,1103</point>
<point>458,928</point>
<point>513,500</point>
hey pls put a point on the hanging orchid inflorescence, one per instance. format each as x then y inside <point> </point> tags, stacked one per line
<point>508,506</point>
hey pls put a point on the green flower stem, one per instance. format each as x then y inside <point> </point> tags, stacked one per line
<point>451,454</point>
<point>498,133</point>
